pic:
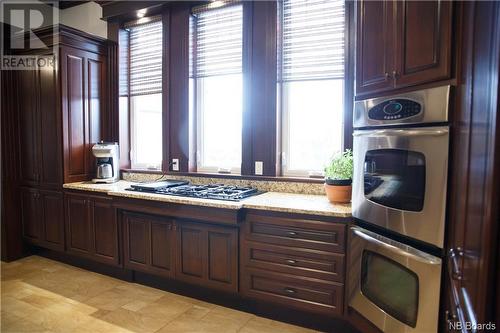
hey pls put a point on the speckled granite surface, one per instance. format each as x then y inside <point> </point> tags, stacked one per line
<point>261,185</point>
<point>271,201</point>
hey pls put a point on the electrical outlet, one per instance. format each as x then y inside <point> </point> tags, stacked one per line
<point>175,164</point>
<point>259,167</point>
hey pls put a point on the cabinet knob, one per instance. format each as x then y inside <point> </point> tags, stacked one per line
<point>386,76</point>
<point>289,290</point>
<point>169,227</point>
<point>291,261</point>
<point>395,74</point>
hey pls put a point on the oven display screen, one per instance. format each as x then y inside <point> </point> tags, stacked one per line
<point>395,178</point>
<point>395,109</point>
<point>390,286</point>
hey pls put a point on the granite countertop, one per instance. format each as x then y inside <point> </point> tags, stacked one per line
<point>270,201</point>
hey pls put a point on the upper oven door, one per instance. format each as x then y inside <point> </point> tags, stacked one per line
<point>394,286</point>
<point>422,106</point>
<point>400,180</point>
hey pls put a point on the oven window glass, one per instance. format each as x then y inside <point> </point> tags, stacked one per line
<point>395,178</point>
<point>391,286</point>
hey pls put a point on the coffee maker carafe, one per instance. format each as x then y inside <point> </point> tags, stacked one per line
<point>107,162</point>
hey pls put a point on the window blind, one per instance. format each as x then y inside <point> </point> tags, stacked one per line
<point>123,62</point>
<point>146,57</point>
<point>217,40</point>
<point>312,39</point>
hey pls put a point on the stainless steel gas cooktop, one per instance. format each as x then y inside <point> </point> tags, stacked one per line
<point>183,189</point>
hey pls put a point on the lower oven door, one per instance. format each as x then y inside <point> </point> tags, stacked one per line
<point>393,285</point>
<point>400,180</point>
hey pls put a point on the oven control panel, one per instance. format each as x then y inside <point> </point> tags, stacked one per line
<point>395,109</point>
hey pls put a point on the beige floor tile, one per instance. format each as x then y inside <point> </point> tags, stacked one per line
<point>42,295</point>
<point>134,321</point>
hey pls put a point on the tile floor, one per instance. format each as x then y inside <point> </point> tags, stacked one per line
<point>42,295</point>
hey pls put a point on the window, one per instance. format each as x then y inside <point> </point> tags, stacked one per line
<point>310,83</point>
<point>145,92</point>
<point>216,85</point>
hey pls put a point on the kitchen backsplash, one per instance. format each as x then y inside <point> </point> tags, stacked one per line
<point>262,185</point>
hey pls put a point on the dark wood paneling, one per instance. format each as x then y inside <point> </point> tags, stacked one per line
<point>73,83</point>
<point>105,230</point>
<point>310,234</point>
<point>473,231</point>
<point>32,222</point>
<point>52,215</point>
<point>78,228</point>
<point>207,255</point>
<point>260,119</point>
<point>191,251</point>
<point>148,243</point>
<point>423,43</point>
<point>162,240</point>
<point>305,294</point>
<point>295,261</point>
<point>176,112</point>
<point>28,128</point>
<point>375,50</point>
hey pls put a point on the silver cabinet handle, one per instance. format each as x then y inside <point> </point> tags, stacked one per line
<point>291,233</point>
<point>453,256</point>
<point>291,261</point>
<point>438,131</point>
<point>289,290</point>
<point>393,247</point>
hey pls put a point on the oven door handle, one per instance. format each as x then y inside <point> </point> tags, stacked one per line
<point>438,131</point>
<point>393,247</point>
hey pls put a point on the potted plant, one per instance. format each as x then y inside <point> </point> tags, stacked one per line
<point>338,178</point>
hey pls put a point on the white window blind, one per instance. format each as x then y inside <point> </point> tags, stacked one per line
<point>123,62</point>
<point>216,84</point>
<point>312,43</point>
<point>146,57</point>
<point>218,34</point>
<point>310,83</point>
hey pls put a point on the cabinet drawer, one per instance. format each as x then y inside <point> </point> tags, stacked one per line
<point>310,234</point>
<point>302,293</point>
<point>300,262</point>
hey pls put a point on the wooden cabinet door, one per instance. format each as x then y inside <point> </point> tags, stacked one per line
<point>78,228</point>
<point>104,231</point>
<point>27,94</point>
<point>50,161</point>
<point>52,215</point>
<point>375,46</point>
<point>148,244</point>
<point>31,219</point>
<point>207,255</point>
<point>423,43</point>
<point>83,83</point>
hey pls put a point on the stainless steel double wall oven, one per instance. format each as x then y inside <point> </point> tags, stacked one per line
<point>399,200</point>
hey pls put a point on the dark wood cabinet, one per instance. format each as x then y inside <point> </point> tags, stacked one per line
<point>295,261</point>
<point>198,253</point>
<point>91,228</point>
<point>42,217</point>
<point>39,130</point>
<point>207,255</point>
<point>82,81</point>
<point>473,234</point>
<point>148,244</point>
<point>402,44</point>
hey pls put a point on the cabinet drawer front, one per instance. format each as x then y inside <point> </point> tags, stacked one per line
<point>300,262</point>
<point>305,294</point>
<point>310,234</point>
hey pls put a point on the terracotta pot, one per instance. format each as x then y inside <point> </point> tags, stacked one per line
<point>338,193</point>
